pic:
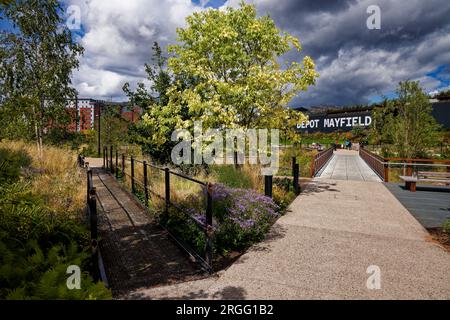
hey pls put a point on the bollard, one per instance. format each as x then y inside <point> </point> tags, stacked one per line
<point>145,183</point>
<point>133,188</point>
<point>295,175</point>
<point>268,186</point>
<point>167,184</point>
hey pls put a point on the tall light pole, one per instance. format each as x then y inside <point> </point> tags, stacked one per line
<point>99,129</point>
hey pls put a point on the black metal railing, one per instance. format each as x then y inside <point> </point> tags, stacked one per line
<point>141,187</point>
<point>139,173</point>
<point>92,220</point>
<point>294,171</point>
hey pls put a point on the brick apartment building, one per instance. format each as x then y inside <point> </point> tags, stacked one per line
<point>85,113</point>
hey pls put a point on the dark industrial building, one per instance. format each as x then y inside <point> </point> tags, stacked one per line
<point>330,119</point>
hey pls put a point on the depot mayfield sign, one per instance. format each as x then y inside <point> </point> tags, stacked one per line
<point>336,122</point>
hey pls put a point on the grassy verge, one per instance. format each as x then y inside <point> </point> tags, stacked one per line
<point>41,227</point>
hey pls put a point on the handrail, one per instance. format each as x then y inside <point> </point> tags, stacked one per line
<point>320,159</point>
<point>188,178</point>
<point>381,165</point>
<point>171,171</point>
<point>143,183</point>
<point>418,160</point>
<point>376,163</point>
<point>91,209</point>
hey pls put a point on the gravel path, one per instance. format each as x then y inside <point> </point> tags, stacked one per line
<point>322,249</point>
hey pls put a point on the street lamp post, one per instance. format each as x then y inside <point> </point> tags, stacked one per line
<point>99,130</point>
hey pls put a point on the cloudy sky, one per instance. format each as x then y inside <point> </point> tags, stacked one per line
<point>357,65</point>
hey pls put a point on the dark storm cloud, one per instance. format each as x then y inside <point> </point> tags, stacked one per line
<point>356,63</point>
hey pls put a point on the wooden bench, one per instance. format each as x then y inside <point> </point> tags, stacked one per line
<point>426,176</point>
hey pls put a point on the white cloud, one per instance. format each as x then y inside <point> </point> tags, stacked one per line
<point>354,63</point>
<point>118,39</point>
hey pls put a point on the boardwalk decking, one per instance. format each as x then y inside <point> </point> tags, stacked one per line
<point>136,251</point>
<point>429,205</point>
<point>347,165</point>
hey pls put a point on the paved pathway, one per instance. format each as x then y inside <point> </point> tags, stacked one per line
<point>322,248</point>
<point>348,165</point>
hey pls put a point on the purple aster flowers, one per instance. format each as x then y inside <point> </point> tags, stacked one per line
<point>245,207</point>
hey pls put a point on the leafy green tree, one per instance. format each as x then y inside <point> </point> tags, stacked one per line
<point>160,79</point>
<point>155,139</point>
<point>37,59</point>
<point>114,126</point>
<point>227,72</point>
<point>407,122</point>
<point>235,57</point>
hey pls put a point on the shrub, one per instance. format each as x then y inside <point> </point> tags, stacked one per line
<point>282,197</point>
<point>446,227</point>
<point>40,237</point>
<point>241,217</point>
<point>11,164</point>
<point>229,176</point>
<point>245,217</point>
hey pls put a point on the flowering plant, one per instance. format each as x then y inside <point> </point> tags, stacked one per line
<point>241,217</point>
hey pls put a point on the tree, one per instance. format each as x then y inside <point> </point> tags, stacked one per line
<point>406,122</point>
<point>37,59</point>
<point>114,126</point>
<point>227,72</point>
<point>160,78</point>
<point>235,57</point>
<point>154,134</point>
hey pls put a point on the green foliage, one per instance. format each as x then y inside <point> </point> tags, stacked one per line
<point>179,223</point>
<point>406,122</point>
<point>226,72</point>
<point>229,176</point>
<point>282,197</point>
<point>29,272</point>
<point>36,245</point>
<point>37,59</point>
<point>446,227</point>
<point>241,217</point>
<point>159,77</point>
<point>114,128</point>
<point>154,138</point>
<point>11,164</point>
<point>234,56</point>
